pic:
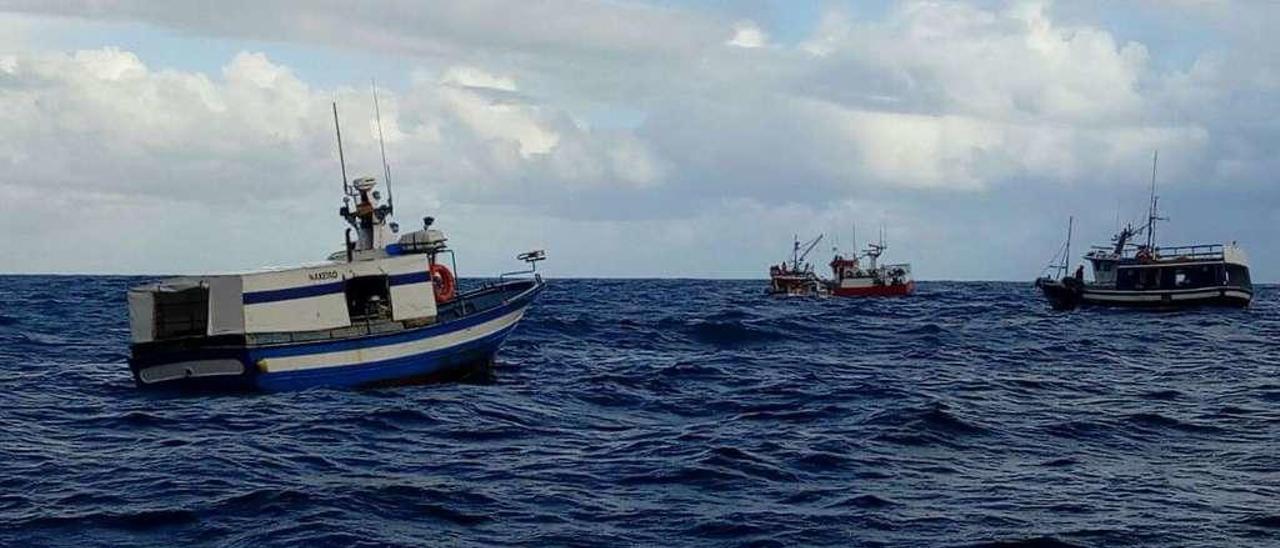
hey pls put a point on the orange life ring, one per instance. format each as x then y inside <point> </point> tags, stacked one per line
<point>442,282</point>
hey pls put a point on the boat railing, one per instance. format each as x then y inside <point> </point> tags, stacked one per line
<point>461,307</point>
<point>362,327</point>
<point>1206,251</point>
<point>1201,252</point>
<point>531,258</point>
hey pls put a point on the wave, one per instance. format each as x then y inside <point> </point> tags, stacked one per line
<point>127,520</point>
<point>1030,542</point>
<point>969,413</point>
<point>1162,422</point>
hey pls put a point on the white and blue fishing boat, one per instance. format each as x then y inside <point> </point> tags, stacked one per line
<point>384,310</point>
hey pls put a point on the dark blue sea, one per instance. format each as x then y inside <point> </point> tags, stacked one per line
<point>661,413</point>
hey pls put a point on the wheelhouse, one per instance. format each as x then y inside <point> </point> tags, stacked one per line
<point>1173,268</point>
<point>1181,276</point>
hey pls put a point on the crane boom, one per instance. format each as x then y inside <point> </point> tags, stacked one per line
<point>809,247</point>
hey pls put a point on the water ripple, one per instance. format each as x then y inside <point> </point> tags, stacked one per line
<point>969,415</point>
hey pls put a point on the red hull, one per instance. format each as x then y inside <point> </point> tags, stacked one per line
<point>874,291</point>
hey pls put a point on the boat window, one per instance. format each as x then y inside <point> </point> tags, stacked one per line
<point>181,313</point>
<point>1148,278</point>
<point>1126,278</point>
<point>1194,276</point>
<point>1237,275</point>
<point>368,298</point>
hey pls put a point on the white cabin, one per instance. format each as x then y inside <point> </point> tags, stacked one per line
<point>307,299</point>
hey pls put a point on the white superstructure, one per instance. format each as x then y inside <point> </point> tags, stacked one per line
<point>293,300</point>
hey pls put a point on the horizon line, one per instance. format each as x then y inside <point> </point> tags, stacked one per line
<point>618,278</point>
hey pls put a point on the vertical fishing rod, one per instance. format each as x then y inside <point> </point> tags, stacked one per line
<point>342,161</point>
<point>386,169</point>
<point>1151,214</point>
<point>1066,255</point>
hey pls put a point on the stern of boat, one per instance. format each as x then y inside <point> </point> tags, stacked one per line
<point>155,366</point>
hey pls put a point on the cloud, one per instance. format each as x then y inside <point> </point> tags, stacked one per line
<point>579,29</point>
<point>748,35</point>
<point>131,129</point>
<point>614,125</point>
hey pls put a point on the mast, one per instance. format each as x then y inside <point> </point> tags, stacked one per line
<point>853,242</point>
<point>342,161</point>
<point>1071,224</point>
<point>1152,215</point>
<point>1066,254</point>
<point>795,252</point>
<point>797,255</point>
<point>386,168</point>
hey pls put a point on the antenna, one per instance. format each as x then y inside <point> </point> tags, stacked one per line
<point>386,169</point>
<point>853,229</point>
<point>1117,214</point>
<point>342,161</point>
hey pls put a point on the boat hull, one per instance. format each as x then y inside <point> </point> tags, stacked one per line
<point>893,290</point>
<point>796,286</point>
<point>441,351</point>
<point>1164,299</point>
<point>1067,296</point>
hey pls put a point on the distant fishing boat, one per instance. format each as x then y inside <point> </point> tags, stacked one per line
<point>795,277</point>
<point>1127,274</point>
<point>383,310</point>
<point>852,279</point>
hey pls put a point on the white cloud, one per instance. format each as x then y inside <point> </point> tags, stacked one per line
<point>747,34</point>
<point>472,77</point>
<point>935,99</point>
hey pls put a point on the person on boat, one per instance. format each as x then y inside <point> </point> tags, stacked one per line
<point>1080,273</point>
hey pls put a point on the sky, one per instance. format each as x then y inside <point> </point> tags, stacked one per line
<point>667,138</point>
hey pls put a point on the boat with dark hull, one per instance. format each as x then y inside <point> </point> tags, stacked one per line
<point>1128,274</point>
<point>1157,277</point>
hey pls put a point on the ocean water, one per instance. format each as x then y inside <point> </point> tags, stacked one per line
<point>650,412</point>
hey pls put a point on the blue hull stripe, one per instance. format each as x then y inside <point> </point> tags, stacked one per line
<point>415,365</point>
<point>290,293</point>
<point>410,278</point>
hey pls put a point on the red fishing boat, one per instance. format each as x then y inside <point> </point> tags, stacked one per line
<point>851,279</point>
